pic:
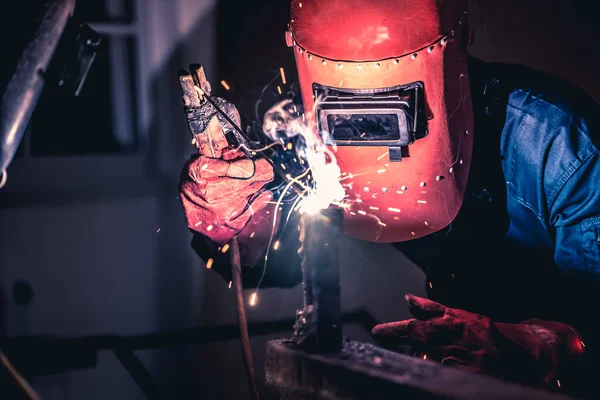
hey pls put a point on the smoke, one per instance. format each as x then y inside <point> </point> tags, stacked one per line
<point>285,121</point>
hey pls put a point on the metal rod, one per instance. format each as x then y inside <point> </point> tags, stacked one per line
<point>236,269</point>
<point>20,381</point>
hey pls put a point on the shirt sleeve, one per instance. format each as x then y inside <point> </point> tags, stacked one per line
<point>575,217</point>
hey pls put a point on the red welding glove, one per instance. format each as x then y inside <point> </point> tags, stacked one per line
<point>534,352</point>
<point>224,196</point>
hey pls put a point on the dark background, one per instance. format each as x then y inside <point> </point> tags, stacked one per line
<point>90,219</point>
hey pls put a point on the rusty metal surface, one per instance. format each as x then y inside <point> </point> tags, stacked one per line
<point>364,371</point>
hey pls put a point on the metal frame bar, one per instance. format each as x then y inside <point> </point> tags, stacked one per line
<point>124,346</point>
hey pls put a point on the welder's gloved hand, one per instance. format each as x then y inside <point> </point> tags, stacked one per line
<point>220,195</point>
<point>534,352</point>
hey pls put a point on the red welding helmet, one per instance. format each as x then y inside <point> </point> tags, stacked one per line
<point>388,83</point>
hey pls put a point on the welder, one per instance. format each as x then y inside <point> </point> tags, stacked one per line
<point>485,175</point>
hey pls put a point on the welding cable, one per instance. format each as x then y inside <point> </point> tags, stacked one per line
<point>21,382</point>
<point>236,276</point>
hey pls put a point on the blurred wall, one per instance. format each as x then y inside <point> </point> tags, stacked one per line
<point>115,257</point>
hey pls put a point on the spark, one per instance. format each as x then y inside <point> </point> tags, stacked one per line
<point>276,245</point>
<point>303,117</point>
<point>426,223</point>
<point>352,213</point>
<point>381,171</point>
<point>205,166</point>
<point>392,209</point>
<point>225,248</point>
<point>424,356</point>
<point>209,263</point>
<point>230,283</point>
<point>283,165</point>
<point>381,223</point>
<point>295,160</point>
<point>358,148</point>
<point>279,89</point>
<point>300,5</point>
<point>361,212</point>
<point>225,85</point>
<point>583,344</point>
<point>209,228</point>
<point>383,155</point>
<point>158,230</point>
<point>423,191</point>
<point>295,109</point>
<point>282,72</point>
<point>430,285</point>
<point>558,382</point>
<point>252,234</point>
<point>290,146</point>
<point>422,201</point>
<point>359,200</point>
<point>374,208</point>
<point>194,141</point>
<point>363,134</point>
<point>412,233</point>
<point>260,149</point>
<point>253,299</point>
<point>198,223</point>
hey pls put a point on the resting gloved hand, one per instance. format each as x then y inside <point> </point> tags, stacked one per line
<point>220,195</point>
<point>534,352</point>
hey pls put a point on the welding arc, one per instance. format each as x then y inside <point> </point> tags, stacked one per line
<point>236,277</point>
<point>247,139</point>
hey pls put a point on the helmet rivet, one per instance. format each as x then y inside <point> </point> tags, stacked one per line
<point>414,56</point>
<point>358,66</point>
<point>439,178</point>
<point>444,40</point>
<point>324,62</point>
<point>310,56</point>
<point>377,65</point>
<point>423,184</point>
<point>430,49</point>
<point>396,61</point>
<point>403,188</point>
<point>340,65</point>
<point>384,190</point>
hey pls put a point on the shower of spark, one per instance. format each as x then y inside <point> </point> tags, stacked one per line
<point>282,121</point>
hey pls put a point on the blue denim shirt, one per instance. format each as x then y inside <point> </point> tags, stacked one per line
<point>552,169</point>
<point>549,151</point>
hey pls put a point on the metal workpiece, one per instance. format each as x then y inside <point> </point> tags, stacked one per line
<point>318,326</point>
<point>365,371</point>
